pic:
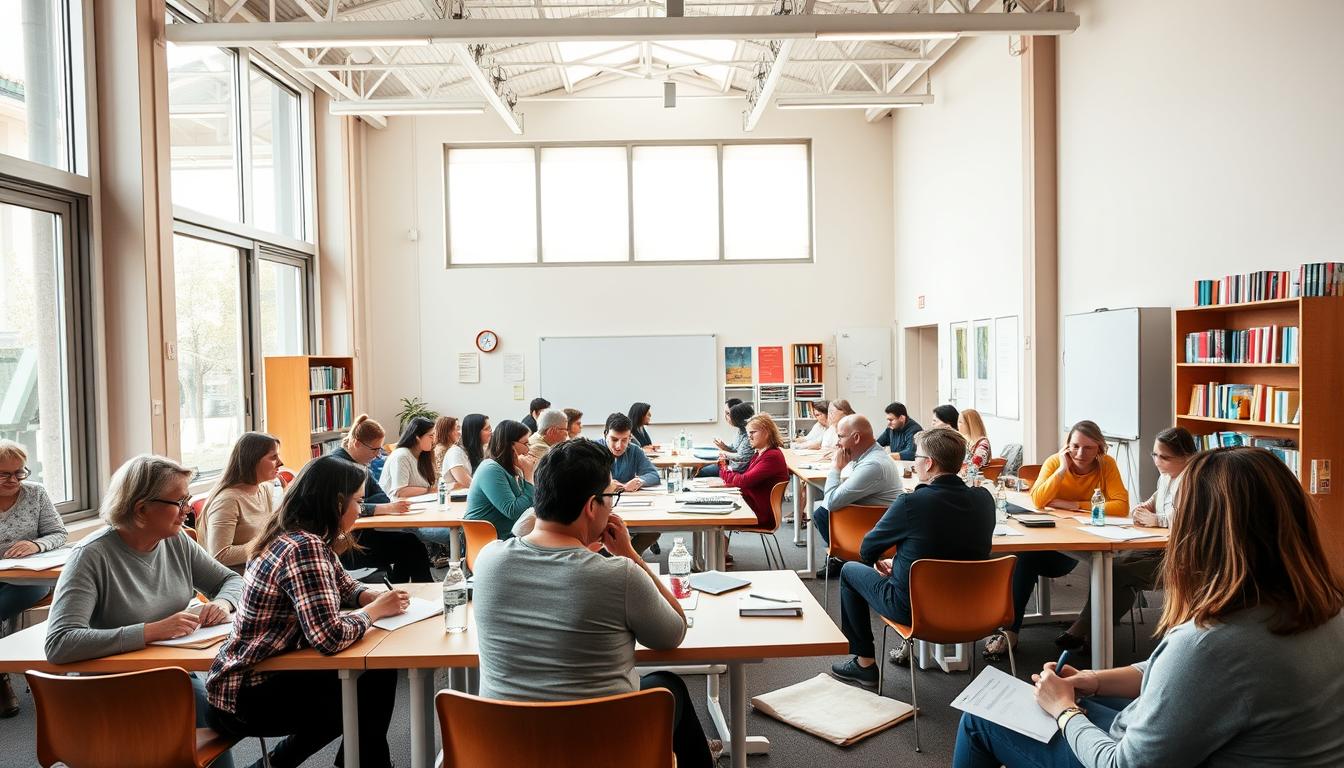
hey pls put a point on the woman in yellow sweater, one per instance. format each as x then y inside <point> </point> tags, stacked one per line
<point>1066,483</point>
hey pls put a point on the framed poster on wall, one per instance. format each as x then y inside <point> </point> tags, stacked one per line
<point>982,352</point>
<point>961,365</point>
<point>737,366</point>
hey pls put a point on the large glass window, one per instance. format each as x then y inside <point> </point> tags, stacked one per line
<point>211,361</point>
<point>492,205</point>
<point>585,199</point>
<point>676,203</point>
<point>277,175</point>
<point>202,107</point>
<point>766,202</point>
<point>281,304</point>
<point>34,109</point>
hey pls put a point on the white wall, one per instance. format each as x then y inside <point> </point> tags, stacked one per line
<point>958,203</point>
<point>423,314</point>
<point>1197,139</point>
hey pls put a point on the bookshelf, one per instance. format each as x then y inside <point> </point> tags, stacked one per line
<point>309,404</point>
<point>1317,377</point>
<point>787,401</point>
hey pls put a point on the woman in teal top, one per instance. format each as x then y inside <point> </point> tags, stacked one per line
<point>501,488</point>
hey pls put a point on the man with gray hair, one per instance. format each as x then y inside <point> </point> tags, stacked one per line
<point>552,428</point>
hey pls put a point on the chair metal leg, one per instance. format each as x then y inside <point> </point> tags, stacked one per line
<point>881,666</point>
<point>914,701</point>
<point>765,549</point>
<point>779,553</point>
<point>265,753</point>
<point>826,585</point>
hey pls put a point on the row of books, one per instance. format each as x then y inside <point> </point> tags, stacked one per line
<point>325,447</point>
<point>1323,278</point>
<point>324,378</point>
<point>1263,344</point>
<point>1246,402</point>
<point>1285,449</point>
<point>806,354</point>
<point>330,413</point>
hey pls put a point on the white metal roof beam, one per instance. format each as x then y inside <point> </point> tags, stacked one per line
<point>487,89</point>
<point>772,78</point>
<point>462,31</point>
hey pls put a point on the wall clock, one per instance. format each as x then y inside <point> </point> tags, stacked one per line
<point>487,341</point>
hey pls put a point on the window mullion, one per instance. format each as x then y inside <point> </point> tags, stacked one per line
<point>630,197</point>
<point>243,127</point>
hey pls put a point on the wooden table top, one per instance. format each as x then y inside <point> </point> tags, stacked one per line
<point>661,515</point>
<point>719,633</point>
<point>423,515</point>
<point>667,459</point>
<point>25,650</point>
<point>51,574</point>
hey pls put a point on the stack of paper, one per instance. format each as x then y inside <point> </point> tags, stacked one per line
<point>1003,699</point>
<point>418,610</point>
<point>204,637</point>
<point>1116,533</point>
<point>1003,530</point>
<point>40,561</point>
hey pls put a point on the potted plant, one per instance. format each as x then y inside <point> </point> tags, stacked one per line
<point>412,407</point>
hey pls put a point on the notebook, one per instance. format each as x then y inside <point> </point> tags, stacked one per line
<point>716,582</point>
<point>769,605</point>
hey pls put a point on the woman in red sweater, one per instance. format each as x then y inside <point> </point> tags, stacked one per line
<point>764,470</point>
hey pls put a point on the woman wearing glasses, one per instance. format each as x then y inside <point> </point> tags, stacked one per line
<point>28,525</point>
<point>135,582</point>
<point>501,489</point>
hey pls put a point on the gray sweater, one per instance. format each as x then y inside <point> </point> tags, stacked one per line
<point>558,624</point>
<point>32,518</point>
<point>874,479</point>
<point>1232,694</point>
<point>107,592</point>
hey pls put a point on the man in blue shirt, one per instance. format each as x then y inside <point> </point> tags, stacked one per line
<point>899,436</point>
<point>630,468</point>
<point>941,519</point>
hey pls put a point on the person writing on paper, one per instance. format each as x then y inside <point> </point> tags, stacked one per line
<point>1137,569</point>
<point>298,595</point>
<point>899,436</point>
<point>942,519</point>
<point>130,584</point>
<point>641,415</point>
<point>501,490</point>
<point>409,471</point>
<point>629,466</point>
<point>575,417</point>
<point>764,470</point>
<point>819,423</point>
<point>534,410</point>
<point>874,478</point>
<point>242,503</point>
<point>398,552</point>
<point>739,454</point>
<point>29,524</point>
<point>1066,482</point>
<point>972,427</point>
<point>1248,670</point>
<point>552,429</point>
<point>555,621</point>
<point>446,435</point>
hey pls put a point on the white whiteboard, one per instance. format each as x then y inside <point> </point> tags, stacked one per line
<point>600,375</point>
<point>1101,371</point>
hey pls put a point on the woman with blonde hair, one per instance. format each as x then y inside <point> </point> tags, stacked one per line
<point>972,427</point>
<point>1248,670</point>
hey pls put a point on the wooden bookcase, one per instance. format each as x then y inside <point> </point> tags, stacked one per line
<point>289,399</point>
<point>786,401</point>
<point>1318,375</point>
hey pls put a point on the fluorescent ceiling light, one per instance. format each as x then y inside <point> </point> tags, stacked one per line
<point>879,36</point>
<point>406,107</point>
<point>391,42</point>
<point>875,101</point>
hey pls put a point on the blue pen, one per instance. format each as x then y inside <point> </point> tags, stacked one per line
<point>1059,665</point>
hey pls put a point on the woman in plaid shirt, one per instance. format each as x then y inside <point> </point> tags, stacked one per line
<point>294,590</point>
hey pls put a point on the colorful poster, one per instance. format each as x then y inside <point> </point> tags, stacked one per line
<point>771,362</point>
<point>737,366</point>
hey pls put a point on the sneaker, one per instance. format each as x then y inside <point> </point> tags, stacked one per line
<point>715,750</point>
<point>900,656</point>
<point>850,672</point>
<point>9,702</point>
<point>439,555</point>
<point>831,567</point>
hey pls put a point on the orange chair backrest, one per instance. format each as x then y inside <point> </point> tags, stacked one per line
<point>1029,472</point>
<point>960,601</point>
<point>848,527</point>
<point>777,501</point>
<point>993,468</point>
<point>621,731</point>
<point>479,533</point>
<point>146,719</point>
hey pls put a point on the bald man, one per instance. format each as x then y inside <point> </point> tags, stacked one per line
<point>874,479</point>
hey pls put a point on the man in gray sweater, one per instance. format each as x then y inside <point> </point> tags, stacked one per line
<point>557,621</point>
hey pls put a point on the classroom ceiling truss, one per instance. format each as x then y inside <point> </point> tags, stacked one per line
<point>380,57</point>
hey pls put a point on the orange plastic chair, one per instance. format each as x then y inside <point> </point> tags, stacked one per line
<point>479,533</point>
<point>1028,473</point>
<point>768,534</point>
<point>636,730</point>
<point>197,504</point>
<point>953,602</point>
<point>286,477</point>
<point>848,527</point>
<point>993,468</point>
<point>145,719</point>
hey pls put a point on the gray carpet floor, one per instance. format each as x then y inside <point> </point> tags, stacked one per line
<point>788,746</point>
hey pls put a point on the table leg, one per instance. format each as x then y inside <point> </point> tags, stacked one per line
<point>1103,629</point>
<point>797,510</point>
<point>455,545</point>
<point>810,570</point>
<point>737,682</point>
<point>715,551</point>
<point>350,715</point>
<point>422,738</point>
<point>1043,595</point>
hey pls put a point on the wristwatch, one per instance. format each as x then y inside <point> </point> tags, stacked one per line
<point>1067,715</point>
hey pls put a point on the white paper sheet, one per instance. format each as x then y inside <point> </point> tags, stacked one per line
<point>513,366</point>
<point>1003,530</point>
<point>418,610</point>
<point>40,561</point>
<point>1003,699</point>
<point>1116,533</point>
<point>203,633</point>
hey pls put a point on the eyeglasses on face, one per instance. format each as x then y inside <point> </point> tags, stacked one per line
<point>182,503</point>
<point>22,474</point>
<point>615,497</point>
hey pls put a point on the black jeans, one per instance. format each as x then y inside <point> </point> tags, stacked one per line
<point>399,553</point>
<point>305,707</point>
<point>1030,566</point>
<point>688,737</point>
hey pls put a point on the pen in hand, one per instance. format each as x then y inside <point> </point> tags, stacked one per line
<point>388,582</point>
<point>1059,665</point>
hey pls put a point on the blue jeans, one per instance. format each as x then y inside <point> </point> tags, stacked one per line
<point>202,711</point>
<point>821,523</point>
<point>17,598</point>
<point>709,470</point>
<point>442,536</point>
<point>982,744</point>
<point>1031,566</point>
<point>861,587</point>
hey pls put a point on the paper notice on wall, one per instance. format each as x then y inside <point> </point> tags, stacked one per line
<point>513,366</point>
<point>517,391</point>
<point>468,368</point>
<point>863,378</point>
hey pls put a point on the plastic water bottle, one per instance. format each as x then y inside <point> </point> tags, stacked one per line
<point>443,492</point>
<point>455,599</point>
<point>1000,502</point>
<point>681,440</point>
<point>1098,508</point>
<point>679,568</point>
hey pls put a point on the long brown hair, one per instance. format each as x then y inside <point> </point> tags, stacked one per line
<point>443,431</point>
<point>241,469</point>
<point>1244,535</point>
<point>315,502</point>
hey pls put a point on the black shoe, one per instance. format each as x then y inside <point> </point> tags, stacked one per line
<point>1067,641</point>
<point>832,567</point>
<point>9,701</point>
<point>900,656</point>
<point>850,672</point>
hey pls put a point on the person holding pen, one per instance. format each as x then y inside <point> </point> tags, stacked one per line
<point>1248,670</point>
<point>1066,483</point>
